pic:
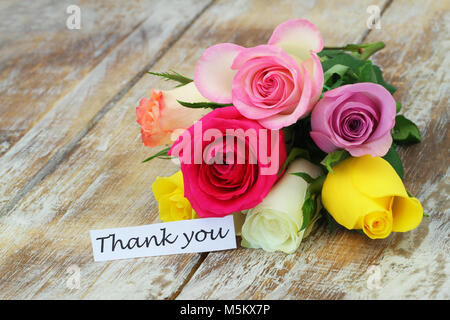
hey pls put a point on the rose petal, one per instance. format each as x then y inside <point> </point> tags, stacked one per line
<point>384,181</point>
<point>213,74</point>
<point>314,69</point>
<point>323,110</point>
<point>376,148</point>
<point>407,213</point>
<point>323,142</point>
<point>297,37</point>
<point>380,97</point>
<point>268,56</point>
<point>249,182</point>
<point>264,50</point>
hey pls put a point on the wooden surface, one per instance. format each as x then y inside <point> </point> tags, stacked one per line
<point>71,152</point>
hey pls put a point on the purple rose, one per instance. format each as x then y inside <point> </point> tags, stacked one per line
<point>355,117</point>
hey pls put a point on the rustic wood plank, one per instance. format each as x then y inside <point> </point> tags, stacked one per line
<point>68,115</point>
<point>84,192</point>
<point>416,265</point>
<point>413,265</point>
<point>102,184</point>
<point>41,60</point>
<point>38,259</point>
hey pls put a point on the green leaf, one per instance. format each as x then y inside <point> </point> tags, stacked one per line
<point>361,70</point>
<point>372,73</point>
<point>394,160</point>
<point>338,75</point>
<point>381,81</point>
<point>343,59</point>
<point>304,176</point>
<point>367,73</point>
<point>199,105</point>
<point>313,191</point>
<point>398,106</point>
<point>174,76</point>
<point>308,209</point>
<point>333,158</point>
<point>337,69</point>
<point>315,184</point>
<point>340,70</point>
<point>160,154</point>
<point>329,53</point>
<point>298,136</point>
<point>405,131</point>
<point>294,154</point>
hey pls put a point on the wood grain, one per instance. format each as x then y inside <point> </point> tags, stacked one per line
<point>67,121</point>
<point>41,60</point>
<point>102,183</point>
<point>99,181</point>
<point>28,253</point>
<point>413,265</point>
<point>416,265</point>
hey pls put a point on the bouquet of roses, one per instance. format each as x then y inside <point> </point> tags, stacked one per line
<point>280,135</point>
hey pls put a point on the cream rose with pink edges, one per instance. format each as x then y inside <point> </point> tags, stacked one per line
<point>275,84</point>
<point>163,119</point>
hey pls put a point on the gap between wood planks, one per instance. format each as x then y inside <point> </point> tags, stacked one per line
<point>204,255</point>
<point>65,150</point>
<point>385,6</point>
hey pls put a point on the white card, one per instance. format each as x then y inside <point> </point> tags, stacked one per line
<point>186,236</point>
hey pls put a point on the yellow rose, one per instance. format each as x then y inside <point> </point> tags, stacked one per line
<point>366,193</point>
<point>169,192</point>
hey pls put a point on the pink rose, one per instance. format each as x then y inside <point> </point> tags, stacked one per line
<point>229,163</point>
<point>275,84</point>
<point>162,118</point>
<point>355,117</point>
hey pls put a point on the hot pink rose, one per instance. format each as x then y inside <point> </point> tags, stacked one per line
<point>229,162</point>
<point>275,84</point>
<point>355,117</point>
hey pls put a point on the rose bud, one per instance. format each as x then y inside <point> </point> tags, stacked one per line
<point>172,205</point>
<point>366,193</point>
<point>162,118</point>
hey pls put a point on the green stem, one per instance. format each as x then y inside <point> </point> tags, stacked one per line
<point>370,50</point>
<point>363,51</point>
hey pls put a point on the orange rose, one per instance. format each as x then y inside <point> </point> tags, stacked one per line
<point>163,119</point>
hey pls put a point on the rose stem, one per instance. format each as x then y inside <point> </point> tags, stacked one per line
<point>364,50</point>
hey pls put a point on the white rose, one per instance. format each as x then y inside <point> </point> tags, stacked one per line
<point>274,224</point>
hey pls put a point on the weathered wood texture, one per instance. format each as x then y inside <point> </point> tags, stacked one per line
<point>103,184</point>
<point>45,240</point>
<point>99,182</point>
<point>41,60</point>
<point>413,265</point>
<point>65,116</point>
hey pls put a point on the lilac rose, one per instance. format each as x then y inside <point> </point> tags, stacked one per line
<point>355,117</point>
